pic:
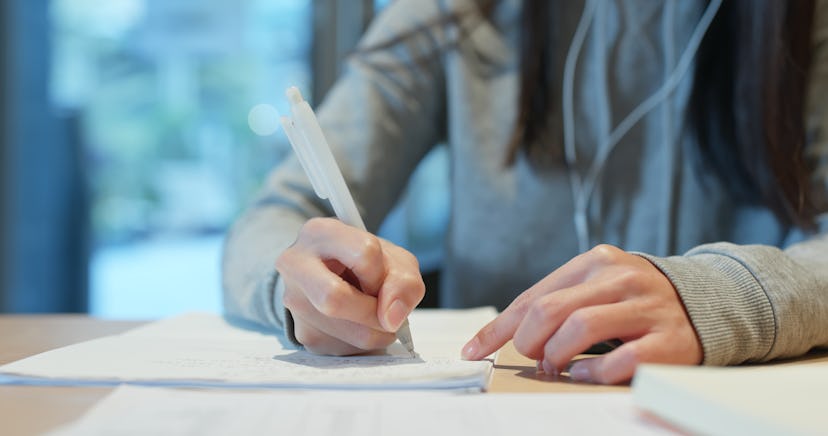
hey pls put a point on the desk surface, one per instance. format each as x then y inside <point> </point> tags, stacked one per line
<point>33,409</point>
<point>26,410</point>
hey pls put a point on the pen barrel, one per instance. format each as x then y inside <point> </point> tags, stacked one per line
<point>319,163</point>
<point>336,190</point>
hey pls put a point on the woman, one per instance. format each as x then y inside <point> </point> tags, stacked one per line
<point>628,170</point>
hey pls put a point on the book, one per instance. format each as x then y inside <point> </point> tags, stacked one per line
<point>789,399</point>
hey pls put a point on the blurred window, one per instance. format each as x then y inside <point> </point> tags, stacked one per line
<point>169,94</point>
<point>176,109</point>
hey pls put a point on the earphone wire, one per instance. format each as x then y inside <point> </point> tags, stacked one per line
<point>570,153</point>
<point>583,188</point>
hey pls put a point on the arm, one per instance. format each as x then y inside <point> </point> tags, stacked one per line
<point>380,118</point>
<point>719,304</point>
<point>756,303</point>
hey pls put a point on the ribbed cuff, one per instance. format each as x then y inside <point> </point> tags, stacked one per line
<point>280,309</point>
<point>290,329</point>
<point>730,311</point>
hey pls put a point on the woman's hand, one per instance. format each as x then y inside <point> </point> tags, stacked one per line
<point>347,290</point>
<point>600,295</point>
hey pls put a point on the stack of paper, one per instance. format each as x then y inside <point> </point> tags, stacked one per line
<point>208,350</point>
<point>772,400</point>
<point>157,411</point>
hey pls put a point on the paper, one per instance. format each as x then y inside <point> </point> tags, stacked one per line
<point>156,411</point>
<point>789,399</point>
<point>207,350</point>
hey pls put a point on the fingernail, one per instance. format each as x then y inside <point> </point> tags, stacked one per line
<point>395,315</point>
<point>580,372</point>
<point>470,349</point>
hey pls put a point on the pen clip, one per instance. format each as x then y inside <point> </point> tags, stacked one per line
<point>300,147</point>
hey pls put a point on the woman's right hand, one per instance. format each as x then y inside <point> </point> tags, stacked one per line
<point>347,290</point>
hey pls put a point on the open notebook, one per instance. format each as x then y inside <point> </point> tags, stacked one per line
<point>208,350</point>
<point>790,399</point>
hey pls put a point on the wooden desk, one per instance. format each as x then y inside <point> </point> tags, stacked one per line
<point>26,410</point>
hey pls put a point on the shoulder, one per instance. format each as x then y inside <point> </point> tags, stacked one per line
<point>430,24</point>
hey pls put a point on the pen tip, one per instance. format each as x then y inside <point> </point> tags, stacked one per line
<point>410,347</point>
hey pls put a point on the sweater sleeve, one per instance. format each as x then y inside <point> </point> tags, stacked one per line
<point>757,303</point>
<point>751,303</point>
<point>380,118</point>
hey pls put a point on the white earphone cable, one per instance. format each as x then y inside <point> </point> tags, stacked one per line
<point>583,188</point>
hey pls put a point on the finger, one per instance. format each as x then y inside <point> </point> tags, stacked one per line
<point>326,293</point>
<point>359,251</point>
<point>579,269</point>
<point>402,290</point>
<point>548,312</point>
<point>491,337</point>
<point>317,342</point>
<point>359,337</point>
<point>503,328</point>
<point>619,365</point>
<point>589,325</point>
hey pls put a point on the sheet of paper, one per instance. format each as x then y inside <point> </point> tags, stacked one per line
<point>208,350</point>
<point>157,411</point>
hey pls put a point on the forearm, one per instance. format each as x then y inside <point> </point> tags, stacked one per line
<point>249,277</point>
<point>751,302</point>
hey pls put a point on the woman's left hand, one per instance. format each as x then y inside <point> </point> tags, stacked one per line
<point>603,294</point>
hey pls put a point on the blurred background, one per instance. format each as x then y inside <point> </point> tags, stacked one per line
<point>132,133</point>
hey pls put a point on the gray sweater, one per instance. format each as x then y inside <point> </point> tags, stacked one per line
<point>754,289</point>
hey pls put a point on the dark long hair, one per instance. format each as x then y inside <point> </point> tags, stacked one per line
<point>747,103</point>
<point>746,107</point>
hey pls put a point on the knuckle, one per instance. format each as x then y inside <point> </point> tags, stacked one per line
<point>314,227</point>
<point>520,305</point>
<point>412,283</point>
<point>370,247</point>
<point>628,279</point>
<point>412,259</point>
<point>366,254</point>
<point>581,322</point>
<point>400,253</point>
<point>544,309</point>
<point>606,254</point>
<point>332,299</point>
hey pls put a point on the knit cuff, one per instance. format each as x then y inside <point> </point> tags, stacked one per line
<point>727,305</point>
<point>280,309</point>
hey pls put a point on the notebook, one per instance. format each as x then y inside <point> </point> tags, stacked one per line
<point>201,349</point>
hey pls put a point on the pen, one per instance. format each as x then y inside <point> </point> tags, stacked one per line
<point>315,155</point>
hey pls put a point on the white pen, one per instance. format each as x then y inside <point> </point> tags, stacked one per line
<point>315,155</point>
